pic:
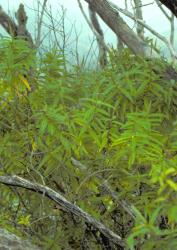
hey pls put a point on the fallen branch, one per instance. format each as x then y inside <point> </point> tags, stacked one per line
<point>64,203</point>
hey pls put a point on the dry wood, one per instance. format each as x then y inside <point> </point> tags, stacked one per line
<point>64,203</point>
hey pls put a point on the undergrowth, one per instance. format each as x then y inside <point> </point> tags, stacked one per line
<point>80,130</point>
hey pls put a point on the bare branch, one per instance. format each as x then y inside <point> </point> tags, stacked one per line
<point>12,28</point>
<point>110,15</point>
<point>7,23</point>
<point>21,28</point>
<point>39,28</point>
<point>97,31</point>
<point>100,37</point>
<point>171,19</point>
<point>162,9</point>
<point>162,38</point>
<point>139,15</point>
<point>172,29</point>
<point>64,203</point>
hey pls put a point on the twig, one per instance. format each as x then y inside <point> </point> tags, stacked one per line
<point>39,25</point>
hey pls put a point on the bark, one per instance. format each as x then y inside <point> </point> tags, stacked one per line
<point>100,38</point>
<point>171,5</point>
<point>120,44</point>
<point>112,18</point>
<point>7,23</point>
<point>139,15</point>
<point>110,15</point>
<point>64,203</point>
<point>18,30</point>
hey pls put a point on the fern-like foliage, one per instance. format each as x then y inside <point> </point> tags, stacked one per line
<point>76,130</point>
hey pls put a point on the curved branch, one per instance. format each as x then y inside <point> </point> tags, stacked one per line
<point>100,38</point>
<point>64,203</point>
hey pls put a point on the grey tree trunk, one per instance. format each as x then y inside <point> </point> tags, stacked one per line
<point>116,23</point>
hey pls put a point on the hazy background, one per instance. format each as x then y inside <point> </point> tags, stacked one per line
<point>151,13</point>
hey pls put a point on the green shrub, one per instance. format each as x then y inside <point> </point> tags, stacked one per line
<point>77,130</point>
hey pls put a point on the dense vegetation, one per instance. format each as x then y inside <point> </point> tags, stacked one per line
<point>106,140</point>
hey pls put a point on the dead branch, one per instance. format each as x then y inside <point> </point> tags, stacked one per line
<point>110,15</point>
<point>7,23</point>
<point>100,37</point>
<point>155,33</point>
<point>39,25</point>
<point>171,19</point>
<point>97,31</point>
<point>139,15</point>
<point>64,203</point>
<point>16,30</point>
